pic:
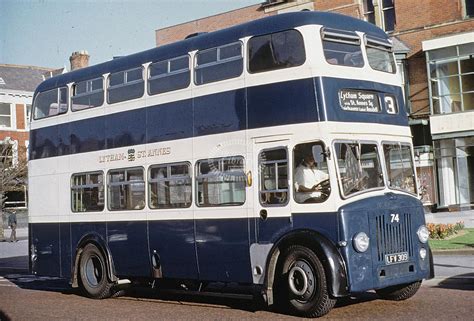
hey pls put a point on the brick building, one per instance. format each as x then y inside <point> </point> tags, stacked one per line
<point>17,85</point>
<point>434,46</point>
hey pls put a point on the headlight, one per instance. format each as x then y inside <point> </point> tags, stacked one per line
<point>361,242</point>
<point>423,234</point>
<point>423,253</point>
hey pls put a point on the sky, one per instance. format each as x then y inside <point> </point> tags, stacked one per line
<point>45,32</point>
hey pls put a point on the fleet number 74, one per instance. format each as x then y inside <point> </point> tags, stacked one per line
<point>394,218</point>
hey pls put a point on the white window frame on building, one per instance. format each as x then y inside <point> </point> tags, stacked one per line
<point>28,109</point>
<point>377,12</point>
<point>8,156</point>
<point>468,8</point>
<point>448,78</point>
<point>6,115</point>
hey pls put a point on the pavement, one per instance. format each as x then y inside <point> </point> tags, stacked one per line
<point>20,248</point>
<point>466,216</point>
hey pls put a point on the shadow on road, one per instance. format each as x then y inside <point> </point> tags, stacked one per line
<point>16,270</point>
<point>459,282</point>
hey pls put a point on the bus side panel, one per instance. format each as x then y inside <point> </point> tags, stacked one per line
<point>82,230</point>
<point>46,243</point>
<point>173,242</point>
<point>323,223</point>
<point>65,247</point>
<point>223,250</point>
<point>290,102</point>
<point>128,245</point>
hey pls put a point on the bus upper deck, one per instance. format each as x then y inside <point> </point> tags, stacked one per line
<point>296,75</point>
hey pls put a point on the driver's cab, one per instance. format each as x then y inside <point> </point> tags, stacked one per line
<point>310,173</point>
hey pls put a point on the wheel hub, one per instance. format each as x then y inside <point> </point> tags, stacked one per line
<point>301,280</point>
<point>93,271</point>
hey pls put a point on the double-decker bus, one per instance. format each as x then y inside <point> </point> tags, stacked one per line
<point>273,156</point>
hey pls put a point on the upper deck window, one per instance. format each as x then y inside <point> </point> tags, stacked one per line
<point>342,48</point>
<point>51,103</point>
<point>125,85</point>
<point>168,75</point>
<point>218,63</point>
<point>276,51</point>
<point>379,54</point>
<point>87,94</point>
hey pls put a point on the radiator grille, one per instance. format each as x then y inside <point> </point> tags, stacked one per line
<point>393,237</point>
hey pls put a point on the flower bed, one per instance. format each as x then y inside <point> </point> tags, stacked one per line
<point>442,231</point>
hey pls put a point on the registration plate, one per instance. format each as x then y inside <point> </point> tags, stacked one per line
<point>396,258</point>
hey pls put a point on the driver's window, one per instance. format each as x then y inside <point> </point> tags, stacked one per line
<point>310,173</point>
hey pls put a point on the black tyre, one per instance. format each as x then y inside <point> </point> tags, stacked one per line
<point>93,273</point>
<point>399,292</point>
<point>301,285</point>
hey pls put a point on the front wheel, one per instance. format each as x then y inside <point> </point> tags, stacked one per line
<point>301,283</point>
<point>93,272</point>
<point>399,292</point>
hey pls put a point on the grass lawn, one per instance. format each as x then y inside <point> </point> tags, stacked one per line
<point>465,241</point>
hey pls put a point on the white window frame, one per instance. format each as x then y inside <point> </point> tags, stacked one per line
<point>11,116</point>
<point>433,81</point>
<point>378,9</point>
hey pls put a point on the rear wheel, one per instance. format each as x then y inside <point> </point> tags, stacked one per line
<point>399,292</point>
<point>301,283</point>
<point>93,273</point>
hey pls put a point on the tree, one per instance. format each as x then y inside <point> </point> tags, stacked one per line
<point>13,173</point>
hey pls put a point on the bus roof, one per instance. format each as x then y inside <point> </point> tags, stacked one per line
<point>209,40</point>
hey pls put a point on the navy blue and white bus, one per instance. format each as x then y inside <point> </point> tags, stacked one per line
<point>183,166</point>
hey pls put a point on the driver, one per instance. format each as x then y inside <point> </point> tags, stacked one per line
<point>307,178</point>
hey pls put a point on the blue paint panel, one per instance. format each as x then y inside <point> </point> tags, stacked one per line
<point>271,229</point>
<point>323,223</point>
<point>64,140</point>
<point>80,230</point>
<point>46,241</point>
<point>87,135</point>
<point>65,247</point>
<point>169,121</point>
<point>220,113</point>
<point>257,27</point>
<point>125,129</point>
<point>331,87</point>
<point>128,245</point>
<point>223,250</point>
<point>44,142</point>
<point>282,103</point>
<point>173,241</point>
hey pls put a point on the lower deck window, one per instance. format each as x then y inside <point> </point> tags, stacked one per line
<point>273,167</point>
<point>311,178</point>
<point>169,186</point>
<point>359,167</point>
<point>220,181</point>
<point>87,192</point>
<point>126,189</point>
<point>400,171</point>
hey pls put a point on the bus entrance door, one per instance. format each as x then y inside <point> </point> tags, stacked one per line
<point>271,193</point>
